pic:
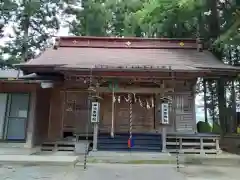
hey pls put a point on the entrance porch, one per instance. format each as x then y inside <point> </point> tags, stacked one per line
<point>69,117</point>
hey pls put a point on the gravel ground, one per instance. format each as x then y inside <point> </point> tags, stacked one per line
<point>117,171</point>
<point>211,173</point>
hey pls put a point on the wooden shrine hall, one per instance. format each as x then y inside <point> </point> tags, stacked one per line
<point>112,89</point>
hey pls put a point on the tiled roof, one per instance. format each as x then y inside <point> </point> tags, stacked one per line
<point>178,59</point>
<point>128,53</point>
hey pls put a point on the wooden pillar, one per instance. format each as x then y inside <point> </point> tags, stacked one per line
<point>164,138</point>
<point>201,146</point>
<point>217,145</point>
<point>180,144</point>
<point>194,108</point>
<point>31,122</point>
<point>95,136</point>
<point>95,124</point>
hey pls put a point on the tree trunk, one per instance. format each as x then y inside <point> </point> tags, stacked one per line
<point>212,101</point>
<point>222,104</point>
<point>205,100</point>
<point>234,114</point>
<point>214,28</point>
<point>25,27</point>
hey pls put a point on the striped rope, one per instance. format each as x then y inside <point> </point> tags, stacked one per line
<point>89,120</point>
<point>130,116</point>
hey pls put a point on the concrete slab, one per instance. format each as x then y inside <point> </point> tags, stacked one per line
<point>129,155</point>
<point>210,173</point>
<point>16,149</point>
<point>224,159</point>
<point>70,158</point>
<point>118,171</point>
<point>103,172</point>
<point>38,160</point>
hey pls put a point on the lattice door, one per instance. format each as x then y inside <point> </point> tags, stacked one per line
<point>77,112</point>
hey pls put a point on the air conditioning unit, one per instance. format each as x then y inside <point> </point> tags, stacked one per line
<point>95,112</point>
<point>165,113</point>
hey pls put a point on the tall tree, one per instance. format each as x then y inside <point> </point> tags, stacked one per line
<point>123,20</point>
<point>7,7</point>
<point>34,24</point>
<point>105,17</point>
<point>91,17</point>
<point>180,18</point>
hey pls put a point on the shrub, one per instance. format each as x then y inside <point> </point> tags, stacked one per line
<point>203,127</point>
<point>216,129</point>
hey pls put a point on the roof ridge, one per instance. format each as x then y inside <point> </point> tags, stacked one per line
<point>128,42</point>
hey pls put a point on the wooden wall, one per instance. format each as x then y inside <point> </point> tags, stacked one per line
<point>68,113</point>
<point>14,87</point>
<point>182,113</point>
<point>76,112</point>
<point>143,118</point>
<point>184,110</point>
<point>42,115</point>
<point>55,115</point>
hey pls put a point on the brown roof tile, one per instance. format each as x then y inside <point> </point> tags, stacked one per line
<point>127,53</point>
<point>178,59</point>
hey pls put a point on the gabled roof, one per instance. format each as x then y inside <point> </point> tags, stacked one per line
<point>81,53</point>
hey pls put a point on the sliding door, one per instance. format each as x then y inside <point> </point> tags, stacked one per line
<point>17,116</point>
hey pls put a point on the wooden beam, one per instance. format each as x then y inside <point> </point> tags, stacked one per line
<point>136,90</point>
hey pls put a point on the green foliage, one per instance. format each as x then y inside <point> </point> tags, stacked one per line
<point>105,18</point>
<point>168,18</point>
<point>91,19</point>
<point>123,21</point>
<point>216,129</point>
<point>34,24</point>
<point>6,7</point>
<point>203,127</point>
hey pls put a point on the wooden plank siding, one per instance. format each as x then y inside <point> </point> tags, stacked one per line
<point>55,116</point>
<point>42,115</point>
<point>182,113</point>
<point>143,119</point>
<point>17,87</point>
<point>76,112</point>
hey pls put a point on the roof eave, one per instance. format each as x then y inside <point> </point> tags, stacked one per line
<point>24,81</point>
<point>73,69</point>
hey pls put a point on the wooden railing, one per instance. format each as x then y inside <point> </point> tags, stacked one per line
<point>193,143</point>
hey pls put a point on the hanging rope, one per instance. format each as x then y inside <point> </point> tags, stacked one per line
<point>113,110</point>
<point>130,121</point>
<point>89,118</point>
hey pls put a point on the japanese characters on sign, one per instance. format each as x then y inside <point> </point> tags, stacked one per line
<point>165,113</point>
<point>95,112</point>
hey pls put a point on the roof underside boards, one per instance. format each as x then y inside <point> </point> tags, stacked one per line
<point>10,73</point>
<point>110,58</point>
